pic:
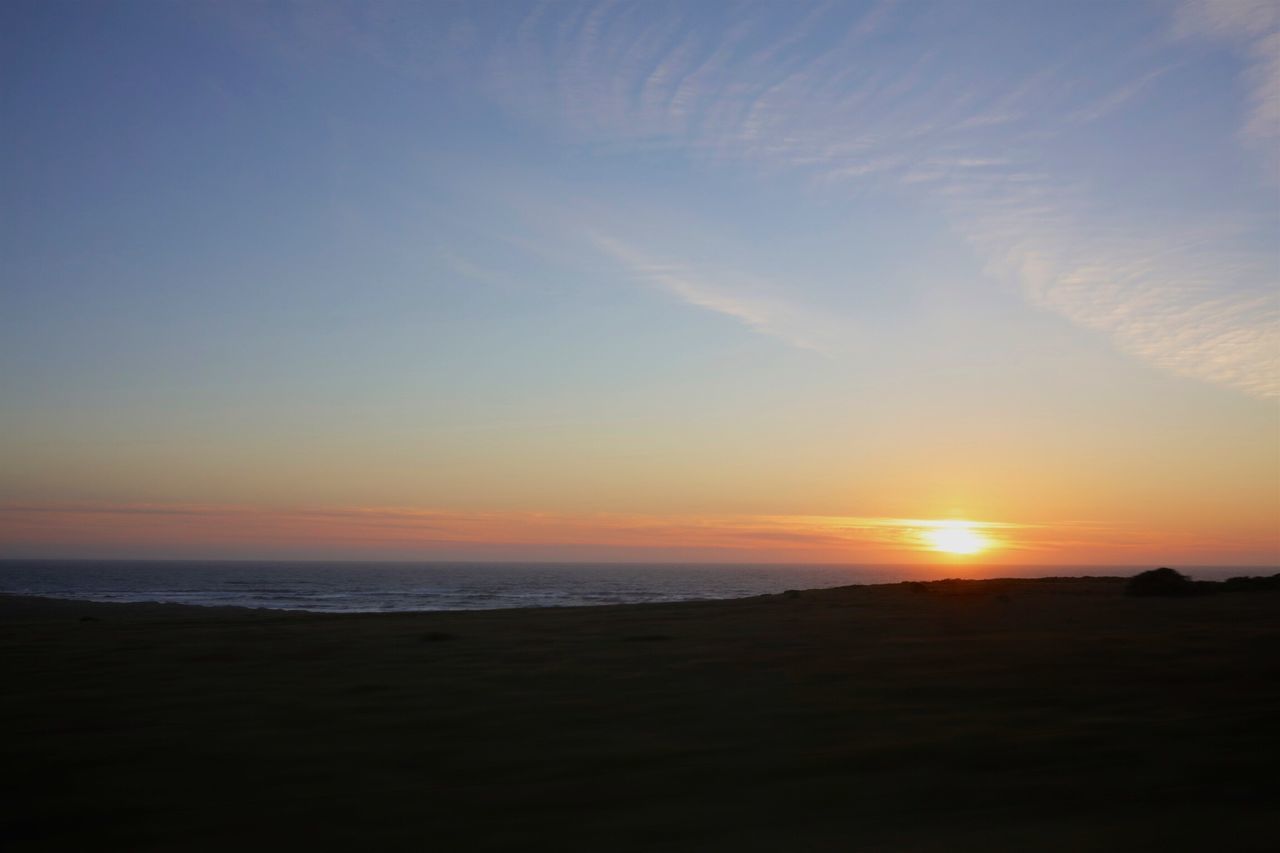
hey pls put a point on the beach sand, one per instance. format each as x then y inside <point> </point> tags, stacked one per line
<point>972,715</point>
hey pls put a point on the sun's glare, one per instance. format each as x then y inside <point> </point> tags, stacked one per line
<point>956,537</point>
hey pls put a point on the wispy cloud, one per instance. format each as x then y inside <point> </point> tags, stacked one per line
<point>916,125</point>
<point>469,269</point>
<point>1112,102</point>
<point>752,301</point>
<point>27,528</point>
<point>821,93</point>
<point>408,532</point>
<point>1253,25</point>
<point>1159,303</point>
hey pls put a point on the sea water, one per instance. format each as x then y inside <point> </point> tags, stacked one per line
<point>350,587</point>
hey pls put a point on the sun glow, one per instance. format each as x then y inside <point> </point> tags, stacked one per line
<point>956,537</point>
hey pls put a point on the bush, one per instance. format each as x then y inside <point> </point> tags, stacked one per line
<point>1161,582</point>
<point>1255,584</point>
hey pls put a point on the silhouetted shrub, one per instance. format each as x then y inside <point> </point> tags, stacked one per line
<point>1254,584</point>
<point>1162,582</point>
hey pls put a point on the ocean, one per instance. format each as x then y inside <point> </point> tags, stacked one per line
<point>350,587</point>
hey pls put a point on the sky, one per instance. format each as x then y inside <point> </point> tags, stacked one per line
<point>858,282</point>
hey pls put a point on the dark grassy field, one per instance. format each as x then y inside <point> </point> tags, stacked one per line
<point>984,715</point>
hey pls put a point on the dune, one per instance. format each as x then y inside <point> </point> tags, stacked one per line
<point>958,715</point>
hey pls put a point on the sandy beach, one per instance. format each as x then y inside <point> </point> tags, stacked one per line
<point>956,715</point>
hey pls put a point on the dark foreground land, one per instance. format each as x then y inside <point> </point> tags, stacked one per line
<point>984,715</point>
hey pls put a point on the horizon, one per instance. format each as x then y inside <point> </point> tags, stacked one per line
<point>867,283</point>
<point>967,567</point>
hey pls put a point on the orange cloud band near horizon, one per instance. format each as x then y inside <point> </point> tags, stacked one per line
<point>243,532</point>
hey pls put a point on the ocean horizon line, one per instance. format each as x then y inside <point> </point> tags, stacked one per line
<point>976,565</point>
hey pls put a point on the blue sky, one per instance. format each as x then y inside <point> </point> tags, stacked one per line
<point>642,257</point>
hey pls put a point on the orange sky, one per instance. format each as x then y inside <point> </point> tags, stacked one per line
<point>176,531</point>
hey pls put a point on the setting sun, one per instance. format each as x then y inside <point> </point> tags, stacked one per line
<point>956,537</point>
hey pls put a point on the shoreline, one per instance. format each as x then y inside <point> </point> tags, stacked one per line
<point>370,589</point>
<point>1052,714</point>
<point>34,597</point>
<point>935,583</point>
<point>31,601</point>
